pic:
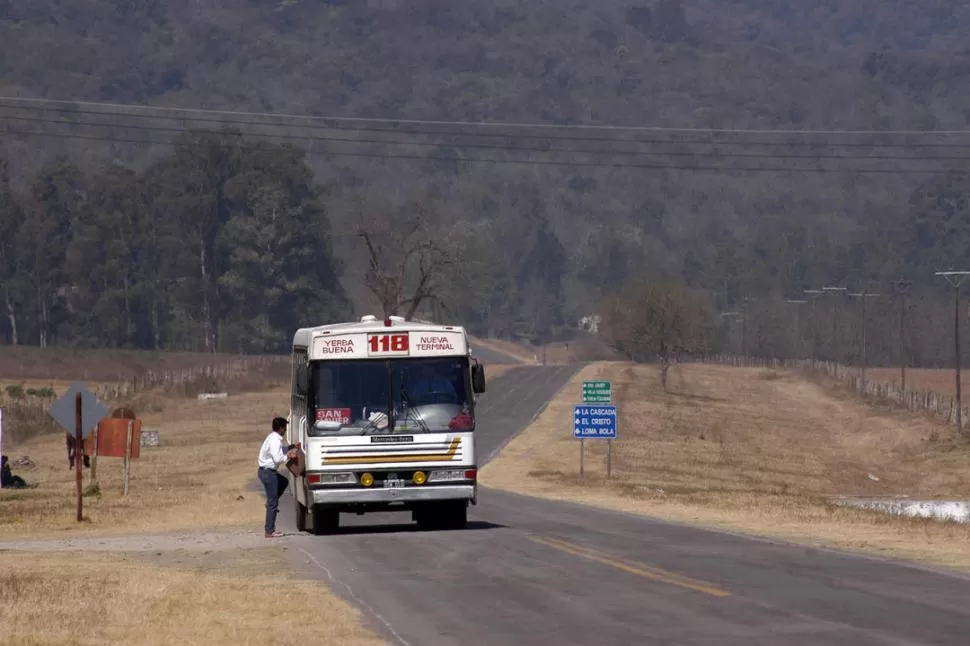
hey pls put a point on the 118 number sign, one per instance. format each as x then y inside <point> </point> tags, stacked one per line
<point>388,343</point>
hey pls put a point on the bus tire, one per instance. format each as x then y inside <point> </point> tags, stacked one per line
<point>301,515</point>
<point>451,514</point>
<point>325,520</point>
<point>458,515</point>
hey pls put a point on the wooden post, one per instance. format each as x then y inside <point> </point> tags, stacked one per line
<point>94,458</point>
<point>78,454</point>
<point>580,457</point>
<point>609,458</point>
<point>956,354</point>
<point>1,438</point>
<point>128,456</point>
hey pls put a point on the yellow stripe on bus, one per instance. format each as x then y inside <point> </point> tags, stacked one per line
<point>391,459</point>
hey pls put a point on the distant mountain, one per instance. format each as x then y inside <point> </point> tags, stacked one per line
<point>783,64</point>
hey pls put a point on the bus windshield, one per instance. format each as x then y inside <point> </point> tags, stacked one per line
<point>379,396</point>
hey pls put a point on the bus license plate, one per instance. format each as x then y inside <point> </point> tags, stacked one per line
<point>393,483</point>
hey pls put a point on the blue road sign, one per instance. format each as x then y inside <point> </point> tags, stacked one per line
<point>592,421</point>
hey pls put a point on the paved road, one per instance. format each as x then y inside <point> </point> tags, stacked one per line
<point>533,572</point>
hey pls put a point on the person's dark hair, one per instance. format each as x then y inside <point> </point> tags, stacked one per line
<point>279,423</point>
<point>3,459</point>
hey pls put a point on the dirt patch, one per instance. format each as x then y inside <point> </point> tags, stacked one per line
<point>751,450</point>
<point>254,562</point>
<point>197,477</point>
<point>235,598</point>
<point>196,541</point>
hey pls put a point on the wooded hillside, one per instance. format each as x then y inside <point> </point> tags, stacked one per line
<point>533,245</point>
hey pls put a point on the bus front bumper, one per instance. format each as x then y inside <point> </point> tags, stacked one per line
<point>331,496</point>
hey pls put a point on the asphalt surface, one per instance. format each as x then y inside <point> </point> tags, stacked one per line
<point>528,571</point>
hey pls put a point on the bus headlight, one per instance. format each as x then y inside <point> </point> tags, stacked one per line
<point>367,479</point>
<point>419,478</point>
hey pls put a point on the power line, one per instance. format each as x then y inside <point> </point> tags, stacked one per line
<point>549,137</point>
<point>481,124</point>
<point>533,149</point>
<point>529,162</point>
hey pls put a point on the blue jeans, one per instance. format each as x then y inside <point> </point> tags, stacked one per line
<point>274,484</point>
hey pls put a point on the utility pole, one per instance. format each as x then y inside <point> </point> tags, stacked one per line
<point>730,316</point>
<point>794,342</point>
<point>956,278</point>
<point>815,293</point>
<point>744,328</point>
<point>836,337</point>
<point>865,346</point>
<point>900,287</point>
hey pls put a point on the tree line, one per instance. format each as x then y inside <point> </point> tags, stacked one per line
<point>511,247</point>
<point>220,245</point>
<point>223,244</point>
<point>226,245</point>
<point>883,324</point>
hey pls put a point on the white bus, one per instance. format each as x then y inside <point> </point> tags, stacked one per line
<point>384,412</point>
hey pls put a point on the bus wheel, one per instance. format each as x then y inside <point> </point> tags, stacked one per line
<point>458,515</point>
<point>325,520</point>
<point>301,515</point>
<point>452,514</point>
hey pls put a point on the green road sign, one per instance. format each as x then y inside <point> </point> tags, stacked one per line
<point>597,392</point>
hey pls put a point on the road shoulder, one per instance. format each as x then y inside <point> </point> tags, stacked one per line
<point>543,461</point>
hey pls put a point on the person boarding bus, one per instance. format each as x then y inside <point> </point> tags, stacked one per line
<point>271,456</point>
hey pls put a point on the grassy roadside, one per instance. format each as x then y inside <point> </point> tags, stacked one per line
<point>77,600</point>
<point>752,451</point>
<point>196,478</point>
<point>507,348</point>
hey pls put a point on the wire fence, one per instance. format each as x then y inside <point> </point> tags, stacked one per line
<point>185,379</point>
<point>26,413</point>
<point>939,404</point>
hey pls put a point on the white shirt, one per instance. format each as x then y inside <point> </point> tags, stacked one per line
<point>271,454</point>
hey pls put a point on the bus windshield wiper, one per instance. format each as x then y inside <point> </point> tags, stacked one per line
<point>410,414</point>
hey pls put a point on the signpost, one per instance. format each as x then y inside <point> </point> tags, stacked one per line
<point>87,412</point>
<point>595,422</point>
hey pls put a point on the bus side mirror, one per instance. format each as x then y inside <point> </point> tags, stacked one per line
<point>478,378</point>
<point>301,380</point>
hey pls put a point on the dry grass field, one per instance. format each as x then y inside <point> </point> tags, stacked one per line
<point>80,600</point>
<point>750,450</point>
<point>43,366</point>
<point>196,478</point>
<point>520,352</point>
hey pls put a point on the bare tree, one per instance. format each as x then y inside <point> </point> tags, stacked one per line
<point>655,320</point>
<point>408,257</point>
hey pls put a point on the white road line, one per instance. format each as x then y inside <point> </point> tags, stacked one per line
<point>360,602</point>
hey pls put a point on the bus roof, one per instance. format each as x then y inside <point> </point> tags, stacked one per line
<point>304,336</point>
